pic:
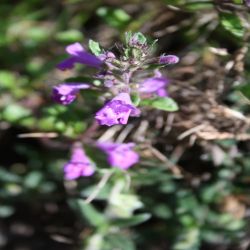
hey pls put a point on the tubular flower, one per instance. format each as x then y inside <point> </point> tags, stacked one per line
<point>65,93</point>
<point>79,165</point>
<point>120,155</point>
<point>78,55</point>
<point>117,111</point>
<point>168,59</point>
<point>154,85</point>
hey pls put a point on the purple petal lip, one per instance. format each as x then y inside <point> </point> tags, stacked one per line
<point>78,55</point>
<point>117,111</point>
<point>120,155</point>
<point>153,84</point>
<point>74,49</point>
<point>66,93</point>
<point>79,165</point>
<point>74,170</point>
<point>125,97</point>
<point>168,59</point>
<point>162,92</point>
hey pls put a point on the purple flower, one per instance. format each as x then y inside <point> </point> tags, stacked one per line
<point>169,59</point>
<point>120,155</point>
<point>79,165</point>
<point>108,78</point>
<point>107,56</point>
<point>65,93</point>
<point>79,55</point>
<point>154,85</point>
<point>117,111</point>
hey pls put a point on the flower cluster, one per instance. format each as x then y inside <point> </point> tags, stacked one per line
<point>120,155</point>
<point>122,77</point>
<point>127,79</point>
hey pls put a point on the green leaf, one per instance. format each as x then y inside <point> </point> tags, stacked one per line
<point>117,18</point>
<point>162,211</point>
<point>238,1</point>
<point>87,211</point>
<point>135,99</point>
<point>69,36</point>
<point>15,112</point>
<point>140,38</point>
<point>188,240</point>
<point>38,34</point>
<point>233,24</point>
<point>94,242</point>
<point>199,5</point>
<point>128,36</point>
<point>94,47</point>
<point>132,221</point>
<point>118,241</point>
<point>121,15</point>
<point>122,205</point>
<point>8,79</point>
<point>245,89</point>
<point>162,103</point>
<point>33,180</point>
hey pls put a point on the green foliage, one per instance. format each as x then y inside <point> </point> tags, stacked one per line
<point>15,112</point>
<point>188,240</point>
<point>245,89</point>
<point>135,97</point>
<point>117,18</point>
<point>87,211</point>
<point>233,24</point>
<point>193,5</point>
<point>69,36</point>
<point>131,221</point>
<point>94,47</point>
<point>162,103</point>
<point>118,241</point>
<point>199,5</point>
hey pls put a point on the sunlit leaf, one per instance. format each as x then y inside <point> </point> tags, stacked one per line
<point>162,103</point>
<point>232,23</point>
<point>94,47</point>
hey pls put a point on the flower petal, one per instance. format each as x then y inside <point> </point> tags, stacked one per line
<point>117,111</point>
<point>65,93</point>
<point>168,59</point>
<point>120,155</point>
<point>74,49</point>
<point>68,63</point>
<point>79,55</point>
<point>152,84</point>
<point>79,165</point>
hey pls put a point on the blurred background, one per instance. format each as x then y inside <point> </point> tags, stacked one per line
<point>191,189</point>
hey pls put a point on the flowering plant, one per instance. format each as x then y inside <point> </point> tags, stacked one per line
<point>176,175</point>
<point>130,80</point>
<point>127,81</point>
